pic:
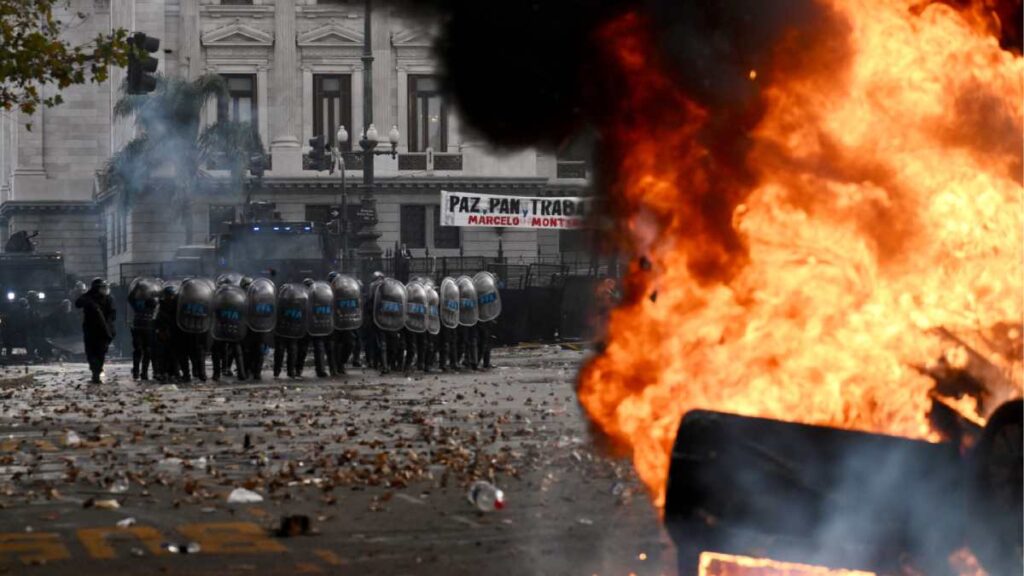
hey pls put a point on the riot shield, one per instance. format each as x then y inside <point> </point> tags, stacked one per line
<point>230,308</point>
<point>292,311</point>
<point>140,291</point>
<point>321,309</point>
<point>416,307</point>
<point>487,296</point>
<point>449,296</point>
<point>262,314</point>
<point>468,312</point>
<point>433,312</point>
<point>195,299</point>
<point>348,305</point>
<point>389,305</point>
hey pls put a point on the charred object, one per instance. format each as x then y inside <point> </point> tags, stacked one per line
<point>844,499</point>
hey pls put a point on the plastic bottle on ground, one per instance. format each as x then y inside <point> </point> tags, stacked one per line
<point>486,496</point>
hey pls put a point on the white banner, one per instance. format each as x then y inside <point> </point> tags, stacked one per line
<point>471,209</point>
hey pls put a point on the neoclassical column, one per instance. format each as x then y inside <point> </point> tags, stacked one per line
<point>190,53</point>
<point>383,69</point>
<point>403,109</point>
<point>357,106</point>
<point>285,86</point>
<point>263,96</point>
<point>307,103</point>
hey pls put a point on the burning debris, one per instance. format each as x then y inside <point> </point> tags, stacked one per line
<point>804,254</point>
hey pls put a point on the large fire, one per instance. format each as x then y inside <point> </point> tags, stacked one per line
<point>800,271</point>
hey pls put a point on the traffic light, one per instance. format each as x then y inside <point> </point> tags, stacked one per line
<point>318,153</point>
<point>140,64</point>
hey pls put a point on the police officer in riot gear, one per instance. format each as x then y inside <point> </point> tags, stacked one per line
<point>292,322</point>
<point>142,299</point>
<point>415,330</point>
<point>467,322</point>
<point>166,358</point>
<point>373,336</point>
<point>319,329</point>
<point>488,309</point>
<point>230,307</point>
<point>194,320</point>
<point>448,337</point>
<point>348,318</point>
<point>430,336</point>
<point>97,324</point>
<point>252,343</point>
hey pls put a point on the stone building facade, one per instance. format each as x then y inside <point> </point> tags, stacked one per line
<point>294,70</point>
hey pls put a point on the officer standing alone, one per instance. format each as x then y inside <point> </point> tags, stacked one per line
<point>97,324</point>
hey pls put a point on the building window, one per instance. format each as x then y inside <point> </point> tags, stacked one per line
<point>445,236</point>
<point>428,115</point>
<point>221,218</point>
<point>318,213</point>
<point>240,103</point>
<point>332,106</point>
<point>416,233</point>
<point>414,226</point>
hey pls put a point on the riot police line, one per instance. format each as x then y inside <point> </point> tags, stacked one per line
<point>236,320</point>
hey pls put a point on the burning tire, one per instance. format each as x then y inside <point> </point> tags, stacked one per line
<point>996,518</point>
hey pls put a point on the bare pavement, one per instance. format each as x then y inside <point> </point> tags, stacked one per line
<point>378,465</point>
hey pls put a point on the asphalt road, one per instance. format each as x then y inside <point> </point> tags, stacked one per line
<point>379,466</point>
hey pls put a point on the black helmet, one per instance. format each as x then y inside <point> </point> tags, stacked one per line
<point>332,275</point>
<point>246,281</point>
<point>170,290</point>
<point>99,283</point>
<point>307,281</point>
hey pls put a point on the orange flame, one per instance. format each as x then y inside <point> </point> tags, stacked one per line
<point>878,196</point>
<point>715,564</point>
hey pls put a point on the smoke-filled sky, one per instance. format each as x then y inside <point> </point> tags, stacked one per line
<point>526,72</point>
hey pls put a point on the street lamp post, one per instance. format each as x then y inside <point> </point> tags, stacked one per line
<point>368,143</point>
<point>368,234</point>
<point>342,218</point>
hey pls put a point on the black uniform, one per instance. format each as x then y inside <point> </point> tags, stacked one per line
<point>449,349</point>
<point>97,328</point>
<point>345,347</point>
<point>484,335</point>
<point>375,341</point>
<point>467,346</point>
<point>286,347</point>
<point>165,325</point>
<point>223,354</point>
<point>143,339</point>
<point>253,353</point>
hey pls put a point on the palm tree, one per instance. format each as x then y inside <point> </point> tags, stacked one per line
<point>170,135</point>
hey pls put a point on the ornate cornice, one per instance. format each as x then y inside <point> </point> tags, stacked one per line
<point>412,38</point>
<point>330,34</point>
<point>236,11</point>
<point>299,185</point>
<point>15,207</point>
<point>237,34</point>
